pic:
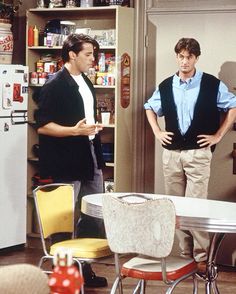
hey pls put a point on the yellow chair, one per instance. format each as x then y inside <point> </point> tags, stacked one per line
<point>55,210</point>
<point>145,227</point>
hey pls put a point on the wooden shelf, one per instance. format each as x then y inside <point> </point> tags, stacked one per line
<point>76,10</point>
<point>32,123</point>
<point>110,164</point>
<point>95,86</point>
<point>30,195</point>
<point>33,235</point>
<point>104,87</point>
<point>44,47</point>
<point>35,85</point>
<point>33,160</point>
<point>73,9</point>
<point>109,126</point>
<point>60,47</point>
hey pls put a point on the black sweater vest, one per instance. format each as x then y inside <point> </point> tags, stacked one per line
<point>206,118</point>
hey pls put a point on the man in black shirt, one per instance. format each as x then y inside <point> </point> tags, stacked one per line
<point>70,149</point>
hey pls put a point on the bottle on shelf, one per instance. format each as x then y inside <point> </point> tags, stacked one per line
<point>41,37</point>
<point>40,4</point>
<point>86,3</point>
<point>102,62</point>
<point>30,36</point>
<point>92,75</point>
<point>45,33</point>
<point>36,36</point>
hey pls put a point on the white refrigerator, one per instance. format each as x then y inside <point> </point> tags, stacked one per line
<point>13,154</point>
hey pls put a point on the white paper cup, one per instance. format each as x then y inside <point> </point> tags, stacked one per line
<point>105,118</point>
<point>85,31</point>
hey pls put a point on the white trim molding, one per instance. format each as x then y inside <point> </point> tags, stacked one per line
<point>158,6</point>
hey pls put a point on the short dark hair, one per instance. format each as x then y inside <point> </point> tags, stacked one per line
<point>189,44</point>
<point>75,42</point>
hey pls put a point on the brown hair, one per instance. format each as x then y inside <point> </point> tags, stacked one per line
<point>75,42</point>
<point>189,44</point>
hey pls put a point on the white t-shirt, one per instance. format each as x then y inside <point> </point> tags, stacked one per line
<point>87,96</point>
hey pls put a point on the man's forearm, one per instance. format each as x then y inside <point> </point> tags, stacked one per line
<point>227,123</point>
<point>152,119</point>
<point>55,130</point>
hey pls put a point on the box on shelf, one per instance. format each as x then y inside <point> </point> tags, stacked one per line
<point>105,102</point>
<point>109,185</point>
<point>108,151</point>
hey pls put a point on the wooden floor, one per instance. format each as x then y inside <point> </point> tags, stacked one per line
<point>226,279</point>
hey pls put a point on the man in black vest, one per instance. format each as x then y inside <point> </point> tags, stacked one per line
<point>190,102</point>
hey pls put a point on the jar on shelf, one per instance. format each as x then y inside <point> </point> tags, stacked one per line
<point>92,75</point>
<point>86,3</point>
<point>6,42</point>
<point>40,4</point>
<point>34,78</point>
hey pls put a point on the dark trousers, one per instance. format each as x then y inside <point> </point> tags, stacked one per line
<point>86,226</point>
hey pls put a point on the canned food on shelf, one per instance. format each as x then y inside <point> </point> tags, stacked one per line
<point>42,77</point>
<point>50,67</point>
<point>39,66</point>
<point>34,78</point>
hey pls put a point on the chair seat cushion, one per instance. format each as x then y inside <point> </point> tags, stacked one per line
<point>84,247</point>
<point>150,269</point>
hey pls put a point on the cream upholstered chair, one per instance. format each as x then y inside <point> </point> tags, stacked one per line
<point>135,224</point>
<point>23,279</point>
<point>55,210</point>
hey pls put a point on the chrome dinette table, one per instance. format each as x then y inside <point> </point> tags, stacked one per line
<point>216,217</point>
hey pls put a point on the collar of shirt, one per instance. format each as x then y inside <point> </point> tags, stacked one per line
<point>177,82</point>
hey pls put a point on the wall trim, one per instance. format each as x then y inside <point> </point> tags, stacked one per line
<point>190,6</point>
<point>157,11</point>
<point>141,168</point>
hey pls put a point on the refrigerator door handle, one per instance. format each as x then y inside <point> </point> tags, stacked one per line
<point>18,122</point>
<point>16,114</point>
<point>22,112</point>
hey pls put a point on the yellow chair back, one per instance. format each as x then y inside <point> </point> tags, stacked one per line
<point>55,208</point>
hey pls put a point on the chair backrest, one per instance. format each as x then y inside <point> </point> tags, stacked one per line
<point>55,208</point>
<point>145,228</point>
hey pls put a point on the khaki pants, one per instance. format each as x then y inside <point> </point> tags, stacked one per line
<point>187,173</point>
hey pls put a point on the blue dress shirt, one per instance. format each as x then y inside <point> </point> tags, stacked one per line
<point>185,97</point>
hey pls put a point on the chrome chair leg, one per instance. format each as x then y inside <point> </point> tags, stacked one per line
<point>81,272</point>
<point>211,272</point>
<point>195,285</point>
<point>41,262</point>
<point>118,281</point>
<point>120,286</point>
<point>115,286</point>
<point>208,287</point>
<point>215,288</point>
<point>172,285</point>
<point>138,288</point>
<point>143,287</point>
